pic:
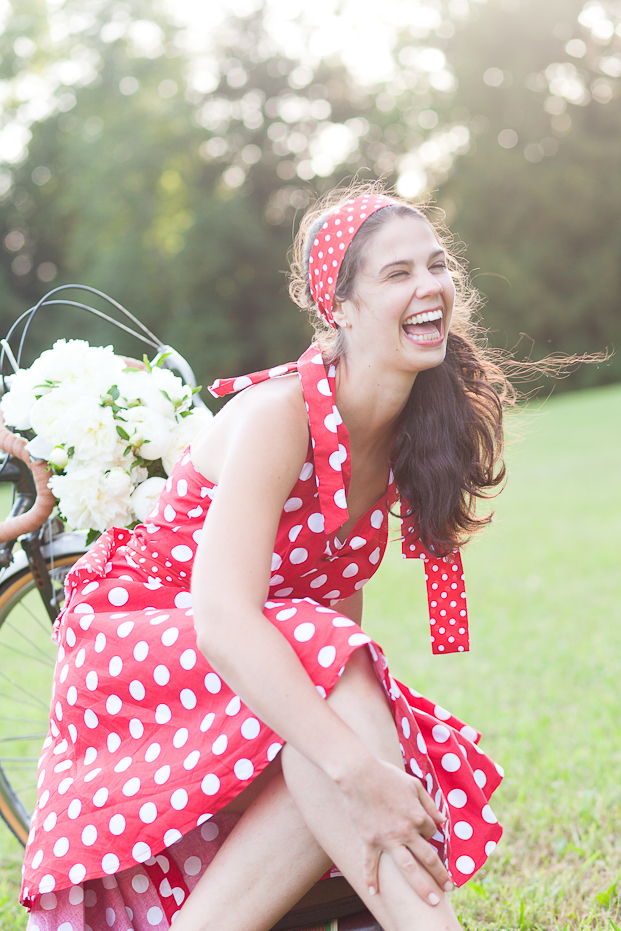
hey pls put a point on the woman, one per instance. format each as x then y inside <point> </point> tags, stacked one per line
<point>263,715</point>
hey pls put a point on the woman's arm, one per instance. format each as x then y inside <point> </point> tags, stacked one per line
<point>266,443</point>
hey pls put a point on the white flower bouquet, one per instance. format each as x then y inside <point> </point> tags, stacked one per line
<point>111,432</point>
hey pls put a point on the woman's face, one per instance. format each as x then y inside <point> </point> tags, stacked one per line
<point>403,297</point>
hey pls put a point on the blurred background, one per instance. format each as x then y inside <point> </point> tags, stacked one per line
<point>164,153</point>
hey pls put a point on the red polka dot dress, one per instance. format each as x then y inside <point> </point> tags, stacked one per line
<point>147,743</point>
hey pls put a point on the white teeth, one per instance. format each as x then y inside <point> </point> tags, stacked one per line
<point>424,317</point>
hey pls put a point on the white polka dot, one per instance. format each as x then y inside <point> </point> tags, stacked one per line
<point>358,640</point>
<point>340,500</point>
<point>170,636</point>
<point>116,824</point>
<point>209,831</point>
<point>148,813</point>
<point>100,642</point>
<point>213,683</point>
<point>420,743</point>
<point>182,553</point>
<point>316,522</point>
<point>451,762</point>
<point>191,759</point>
<point>182,488</point>
<point>137,690</point>
<point>469,732</point>
<point>110,916</point>
<point>72,695</point>
<point>179,799</point>
<point>89,835</point>
<point>61,847</point>
<point>140,883</point>
<point>100,797</point>
<point>90,719</point>
<point>457,798</point>
<point>304,632</point>
<point>141,852</point>
<point>233,706</point>
<point>37,860</point>
<point>374,556</point>
<point>488,815</point>
<point>273,750</point>
<point>163,714</point>
<point>357,542</point>
<point>113,704</point>
<point>115,666</point>
<point>154,915</point>
<point>131,786</point>
<point>441,713</point>
<point>292,504</point>
<point>187,660</point>
<point>243,769</point>
<point>250,728</point>
<point>319,581</point>
<point>298,555</point>
<point>480,778</point>
<point>171,837</point>
<point>183,600</point>
<point>192,866</point>
<point>162,775</point>
<point>48,899</point>
<point>161,675</point>
<point>152,752</point>
<point>210,784</point>
<point>91,680</point>
<point>463,830</point>
<point>125,629</point>
<point>118,596</point>
<point>490,847</point>
<point>405,727</point>
<point>220,744</point>
<point>351,570</point>
<point>440,733</point>
<point>465,865</point>
<point>73,811</point>
<point>286,614</point>
<point>326,656</point>
<point>169,513</point>
<point>207,721</point>
<point>136,728</point>
<point>76,875</point>
<point>416,768</point>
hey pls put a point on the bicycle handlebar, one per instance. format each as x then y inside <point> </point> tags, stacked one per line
<point>44,504</point>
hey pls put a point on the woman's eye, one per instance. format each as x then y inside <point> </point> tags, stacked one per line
<point>440,265</point>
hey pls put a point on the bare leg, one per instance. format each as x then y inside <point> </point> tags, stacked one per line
<point>276,851</point>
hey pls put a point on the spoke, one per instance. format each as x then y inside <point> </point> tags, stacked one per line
<point>45,628</point>
<point>44,660</point>
<point>5,740</point>
<point>25,691</point>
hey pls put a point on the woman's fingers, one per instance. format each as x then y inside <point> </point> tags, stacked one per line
<point>420,878</point>
<point>427,856</point>
<point>428,804</point>
<point>370,868</point>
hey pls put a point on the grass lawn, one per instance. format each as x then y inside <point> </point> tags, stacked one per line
<point>541,681</point>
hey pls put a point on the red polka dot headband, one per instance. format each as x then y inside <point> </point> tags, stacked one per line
<point>331,244</point>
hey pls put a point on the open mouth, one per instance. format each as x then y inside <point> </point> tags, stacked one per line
<point>425,328</point>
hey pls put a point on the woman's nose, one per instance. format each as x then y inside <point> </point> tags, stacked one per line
<point>428,284</point>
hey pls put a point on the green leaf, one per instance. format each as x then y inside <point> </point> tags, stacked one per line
<point>122,433</point>
<point>145,359</point>
<point>114,392</point>
<point>92,535</point>
<point>159,360</point>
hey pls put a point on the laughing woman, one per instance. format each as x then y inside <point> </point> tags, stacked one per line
<point>209,764</point>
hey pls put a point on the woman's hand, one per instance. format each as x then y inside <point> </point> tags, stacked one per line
<point>394,814</point>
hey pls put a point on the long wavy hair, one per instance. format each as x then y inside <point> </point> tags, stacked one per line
<point>447,449</point>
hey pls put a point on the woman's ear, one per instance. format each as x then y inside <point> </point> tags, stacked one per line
<point>339,314</point>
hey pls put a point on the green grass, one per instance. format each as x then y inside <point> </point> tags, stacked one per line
<point>542,680</point>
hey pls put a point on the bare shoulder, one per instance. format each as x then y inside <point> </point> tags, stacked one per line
<point>267,422</point>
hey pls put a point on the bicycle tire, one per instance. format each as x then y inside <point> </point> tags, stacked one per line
<point>27,658</point>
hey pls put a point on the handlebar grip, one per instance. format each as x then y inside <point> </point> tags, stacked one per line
<point>45,501</point>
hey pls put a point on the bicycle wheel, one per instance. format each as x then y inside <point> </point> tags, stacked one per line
<point>27,657</point>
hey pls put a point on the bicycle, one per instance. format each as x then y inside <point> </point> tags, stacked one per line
<point>31,597</point>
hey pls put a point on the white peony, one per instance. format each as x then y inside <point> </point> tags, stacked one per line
<point>158,390</point>
<point>76,419</point>
<point>91,497</point>
<point>96,368</point>
<point>17,403</point>
<point>145,497</point>
<point>184,433</point>
<point>155,431</point>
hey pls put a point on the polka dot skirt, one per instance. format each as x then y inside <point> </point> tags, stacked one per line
<point>147,743</point>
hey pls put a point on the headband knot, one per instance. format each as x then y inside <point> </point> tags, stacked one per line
<point>332,242</point>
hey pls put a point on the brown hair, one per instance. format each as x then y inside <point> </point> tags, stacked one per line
<point>447,451</point>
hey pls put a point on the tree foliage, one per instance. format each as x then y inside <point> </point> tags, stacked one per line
<point>175,187</point>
